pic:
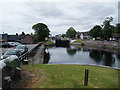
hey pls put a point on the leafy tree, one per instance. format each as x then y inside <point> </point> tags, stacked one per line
<point>117,28</point>
<point>36,38</point>
<point>31,34</point>
<point>23,34</point>
<point>63,35</point>
<point>96,31</point>
<point>41,31</point>
<point>17,34</point>
<point>71,33</point>
<point>113,29</point>
<point>107,28</point>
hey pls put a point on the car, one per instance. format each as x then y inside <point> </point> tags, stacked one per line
<point>13,44</point>
<point>17,43</point>
<point>4,44</point>
<point>9,53</point>
<point>22,48</point>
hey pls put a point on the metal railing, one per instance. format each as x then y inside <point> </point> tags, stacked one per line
<point>27,54</point>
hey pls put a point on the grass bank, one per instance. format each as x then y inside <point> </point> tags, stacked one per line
<point>49,42</point>
<point>70,76</point>
<point>77,42</point>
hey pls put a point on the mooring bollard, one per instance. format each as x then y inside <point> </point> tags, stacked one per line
<point>26,60</point>
<point>86,77</point>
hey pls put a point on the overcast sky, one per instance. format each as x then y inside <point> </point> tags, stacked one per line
<point>58,16</point>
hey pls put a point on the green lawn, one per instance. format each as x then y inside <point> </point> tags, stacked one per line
<point>72,76</point>
<point>77,41</point>
<point>49,42</point>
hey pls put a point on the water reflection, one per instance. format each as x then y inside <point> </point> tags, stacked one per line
<point>46,57</point>
<point>71,51</point>
<point>78,48</point>
<point>96,55</point>
<point>106,57</point>
<point>81,55</point>
<point>118,56</point>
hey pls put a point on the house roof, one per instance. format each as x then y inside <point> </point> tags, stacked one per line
<point>7,37</point>
<point>14,37</point>
<point>28,35</point>
<point>84,33</point>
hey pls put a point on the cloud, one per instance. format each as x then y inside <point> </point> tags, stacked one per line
<point>59,16</point>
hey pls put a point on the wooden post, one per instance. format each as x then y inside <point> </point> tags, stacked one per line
<point>86,77</point>
<point>32,62</point>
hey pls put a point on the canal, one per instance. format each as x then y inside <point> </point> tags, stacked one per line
<point>81,55</point>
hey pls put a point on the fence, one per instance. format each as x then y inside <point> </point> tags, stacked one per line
<point>27,54</point>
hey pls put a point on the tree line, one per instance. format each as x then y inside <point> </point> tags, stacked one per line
<point>42,31</point>
<point>106,30</point>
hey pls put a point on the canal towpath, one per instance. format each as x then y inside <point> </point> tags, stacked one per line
<point>39,56</point>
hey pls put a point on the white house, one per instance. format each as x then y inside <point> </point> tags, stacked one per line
<point>83,35</point>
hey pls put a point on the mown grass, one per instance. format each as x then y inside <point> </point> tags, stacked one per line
<point>49,42</point>
<point>72,76</point>
<point>77,41</point>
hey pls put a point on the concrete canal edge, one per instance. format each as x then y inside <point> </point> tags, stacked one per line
<point>39,56</point>
<point>103,44</point>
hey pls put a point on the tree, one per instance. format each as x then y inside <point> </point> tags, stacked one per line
<point>117,28</point>
<point>96,31</point>
<point>63,35</point>
<point>41,31</point>
<point>107,28</point>
<point>17,34</point>
<point>71,33</point>
<point>23,34</point>
<point>31,34</point>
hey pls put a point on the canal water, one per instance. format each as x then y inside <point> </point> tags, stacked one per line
<point>80,55</point>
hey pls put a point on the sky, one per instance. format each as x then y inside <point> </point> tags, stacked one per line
<point>20,15</point>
